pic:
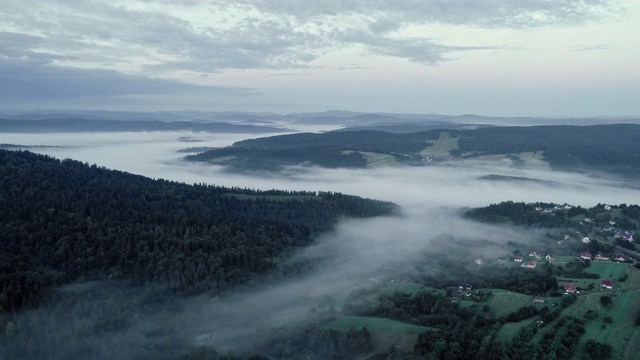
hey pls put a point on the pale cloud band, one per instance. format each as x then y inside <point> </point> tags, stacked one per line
<point>154,40</point>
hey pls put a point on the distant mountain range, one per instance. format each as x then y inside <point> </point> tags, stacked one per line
<point>390,122</point>
<point>51,125</point>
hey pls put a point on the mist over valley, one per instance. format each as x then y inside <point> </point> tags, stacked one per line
<point>429,234</point>
<point>319,180</point>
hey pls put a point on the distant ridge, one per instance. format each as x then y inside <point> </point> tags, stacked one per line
<point>85,125</point>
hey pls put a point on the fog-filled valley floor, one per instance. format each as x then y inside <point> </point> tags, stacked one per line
<point>423,239</point>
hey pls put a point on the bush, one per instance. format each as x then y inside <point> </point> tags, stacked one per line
<point>597,350</point>
<point>591,315</point>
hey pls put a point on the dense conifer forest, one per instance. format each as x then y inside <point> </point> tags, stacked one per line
<point>62,221</point>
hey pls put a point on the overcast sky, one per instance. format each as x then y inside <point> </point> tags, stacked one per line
<point>488,57</point>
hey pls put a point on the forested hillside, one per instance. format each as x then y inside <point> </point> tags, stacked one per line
<point>603,147</point>
<point>64,220</point>
<point>339,149</point>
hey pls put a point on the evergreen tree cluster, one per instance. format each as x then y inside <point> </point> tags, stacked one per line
<point>65,221</point>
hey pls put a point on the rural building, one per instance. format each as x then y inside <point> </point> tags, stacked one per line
<point>621,258</point>
<point>517,259</point>
<point>535,254</point>
<point>585,256</point>
<point>464,286</point>
<point>624,235</point>
<point>570,288</point>
<point>607,284</point>
<point>586,240</point>
<point>601,257</point>
<point>530,264</point>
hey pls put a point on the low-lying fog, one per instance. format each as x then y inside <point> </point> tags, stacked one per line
<point>429,196</point>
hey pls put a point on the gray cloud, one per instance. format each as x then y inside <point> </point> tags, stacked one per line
<point>35,80</point>
<point>591,48</point>
<point>276,34</point>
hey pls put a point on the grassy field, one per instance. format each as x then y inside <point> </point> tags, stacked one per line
<point>534,160</point>
<point>563,259</point>
<point>441,147</point>
<point>621,333</point>
<point>375,159</point>
<point>509,330</point>
<point>622,312</point>
<point>609,270</point>
<point>505,303</point>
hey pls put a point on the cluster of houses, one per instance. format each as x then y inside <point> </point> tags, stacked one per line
<point>464,289</point>
<point>571,288</point>
<point>532,264</point>
<point>599,257</point>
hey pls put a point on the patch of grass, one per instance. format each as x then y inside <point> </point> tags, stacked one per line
<point>617,333</point>
<point>375,159</point>
<point>564,259</point>
<point>581,283</point>
<point>505,303</point>
<point>609,270</point>
<point>509,330</point>
<point>441,147</point>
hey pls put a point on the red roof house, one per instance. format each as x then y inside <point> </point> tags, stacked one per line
<point>570,288</point>
<point>607,283</point>
<point>585,256</point>
<point>621,258</point>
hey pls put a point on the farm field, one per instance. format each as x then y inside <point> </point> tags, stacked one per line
<point>609,270</point>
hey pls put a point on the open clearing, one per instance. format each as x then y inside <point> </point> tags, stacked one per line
<point>509,330</point>
<point>375,159</point>
<point>527,160</point>
<point>505,303</point>
<point>441,147</point>
<point>609,270</point>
